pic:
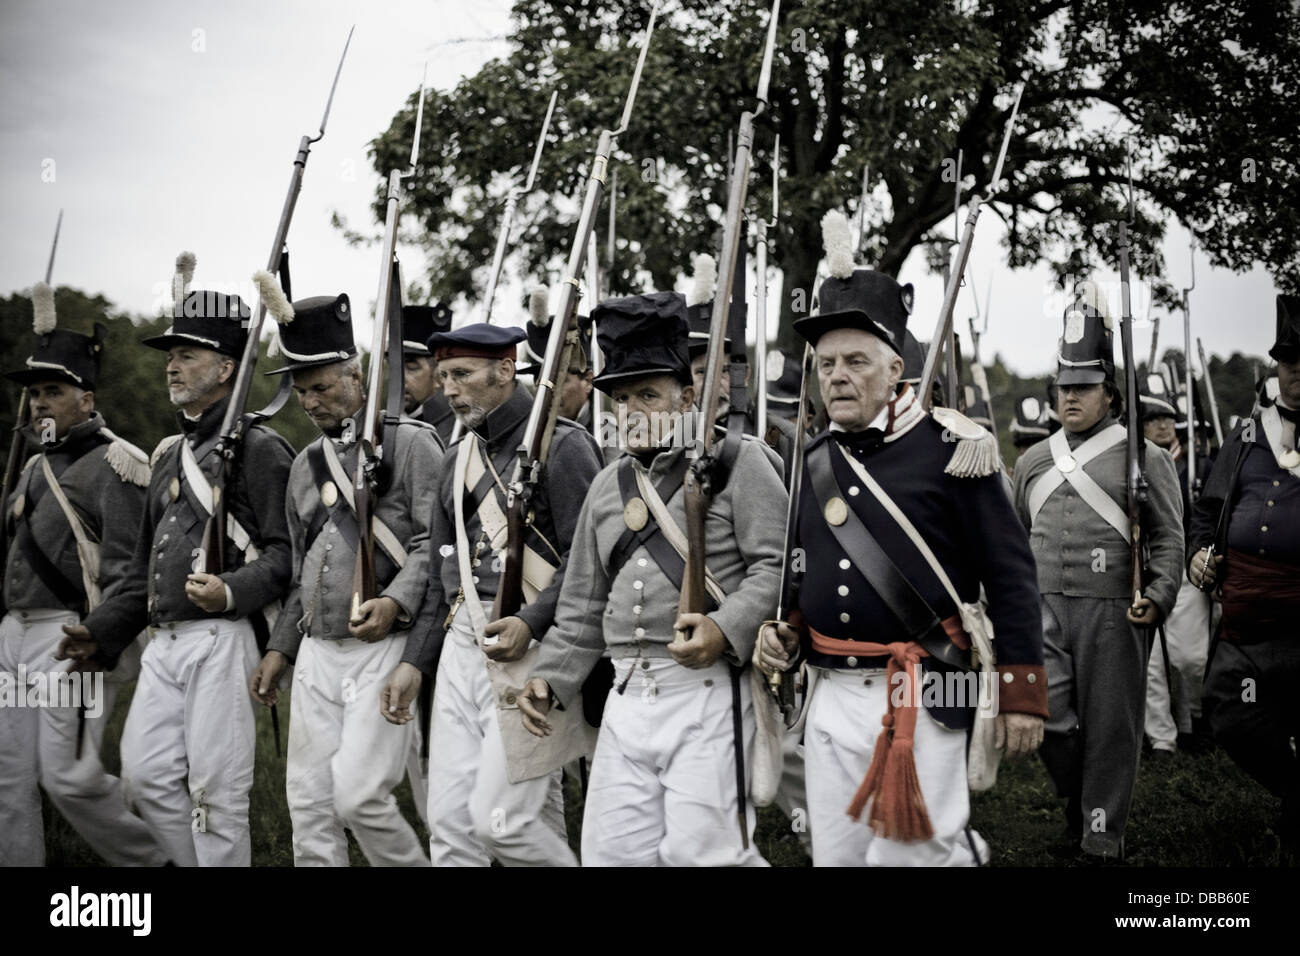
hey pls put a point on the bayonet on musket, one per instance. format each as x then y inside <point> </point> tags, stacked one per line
<point>22,418</point>
<point>943,329</point>
<point>1209,392</point>
<point>236,422</point>
<point>1189,384</point>
<point>760,292</point>
<point>508,216</point>
<point>708,472</point>
<point>536,442</point>
<point>380,418</point>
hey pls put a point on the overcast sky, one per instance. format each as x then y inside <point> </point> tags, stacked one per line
<point>162,126</point>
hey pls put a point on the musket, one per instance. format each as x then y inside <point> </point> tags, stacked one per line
<point>235,423</point>
<point>952,363</point>
<point>380,419</point>
<point>1209,391</point>
<point>943,329</point>
<point>704,477</point>
<point>1155,338</point>
<point>535,446</point>
<point>508,216</point>
<point>1189,382</point>
<point>593,283</point>
<point>18,444</point>
<point>862,207</point>
<point>1136,451</point>
<point>788,593</point>
<point>760,293</point>
<point>708,472</point>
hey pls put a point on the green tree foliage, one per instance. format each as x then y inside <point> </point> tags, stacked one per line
<point>132,393</point>
<point>1193,91</point>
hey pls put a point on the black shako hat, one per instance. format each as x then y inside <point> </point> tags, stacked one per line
<point>1032,424</point>
<point>59,354</point>
<point>419,322</point>
<point>865,299</point>
<point>784,376</point>
<point>1157,401</point>
<point>1086,353</point>
<point>210,320</point>
<point>642,335</point>
<point>1287,346</point>
<point>319,334</point>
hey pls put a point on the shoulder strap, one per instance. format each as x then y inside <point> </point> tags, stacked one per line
<point>345,504</point>
<point>630,540</point>
<point>900,596</point>
<point>87,553</point>
<point>676,537</point>
<point>905,523</point>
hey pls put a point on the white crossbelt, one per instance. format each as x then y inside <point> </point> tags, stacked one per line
<point>203,492</point>
<point>537,571</point>
<point>383,534</point>
<point>1093,495</point>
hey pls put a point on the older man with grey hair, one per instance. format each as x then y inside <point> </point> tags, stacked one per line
<point>344,759</point>
<point>187,748</point>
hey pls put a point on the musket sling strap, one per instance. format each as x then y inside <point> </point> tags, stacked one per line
<point>1092,493</point>
<point>1273,426</point>
<point>674,534</point>
<point>383,534</point>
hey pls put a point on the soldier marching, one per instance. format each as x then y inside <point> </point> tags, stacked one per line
<point>452,582</point>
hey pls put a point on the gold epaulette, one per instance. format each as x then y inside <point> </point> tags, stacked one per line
<point>162,448</point>
<point>127,461</point>
<point>976,454</point>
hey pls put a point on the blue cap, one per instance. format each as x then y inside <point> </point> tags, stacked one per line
<point>478,340</point>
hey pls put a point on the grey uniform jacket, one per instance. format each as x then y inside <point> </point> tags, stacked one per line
<point>171,530</point>
<point>1078,554</point>
<point>104,479</point>
<point>633,613</point>
<point>572,464</point>
<point>320,599</point>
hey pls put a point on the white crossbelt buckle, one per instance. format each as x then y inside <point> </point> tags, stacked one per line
<point>1065,464</point>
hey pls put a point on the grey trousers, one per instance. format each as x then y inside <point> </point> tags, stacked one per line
<point>1096,686</point>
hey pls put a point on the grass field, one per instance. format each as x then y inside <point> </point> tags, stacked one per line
<point>1188,811</point>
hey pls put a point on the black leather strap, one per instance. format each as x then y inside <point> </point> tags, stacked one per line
<point>651,537</point>
<point>870,560</point>
<point>343,516</point>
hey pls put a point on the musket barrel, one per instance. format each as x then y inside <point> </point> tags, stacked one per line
<point>1209,391</point>
<point>760,325</point>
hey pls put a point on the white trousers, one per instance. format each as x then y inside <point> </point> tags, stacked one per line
<point>40,744</point>
<point>663,782</point>
<point>839,740</point>
<point>475,812</point>
<point>187,750</point>
<point>344,758</point>
<point>1187,634</point>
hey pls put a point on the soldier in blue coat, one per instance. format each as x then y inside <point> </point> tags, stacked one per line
<point>187,748</point>
<point>1245,535</point>
<point>876,624</point>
